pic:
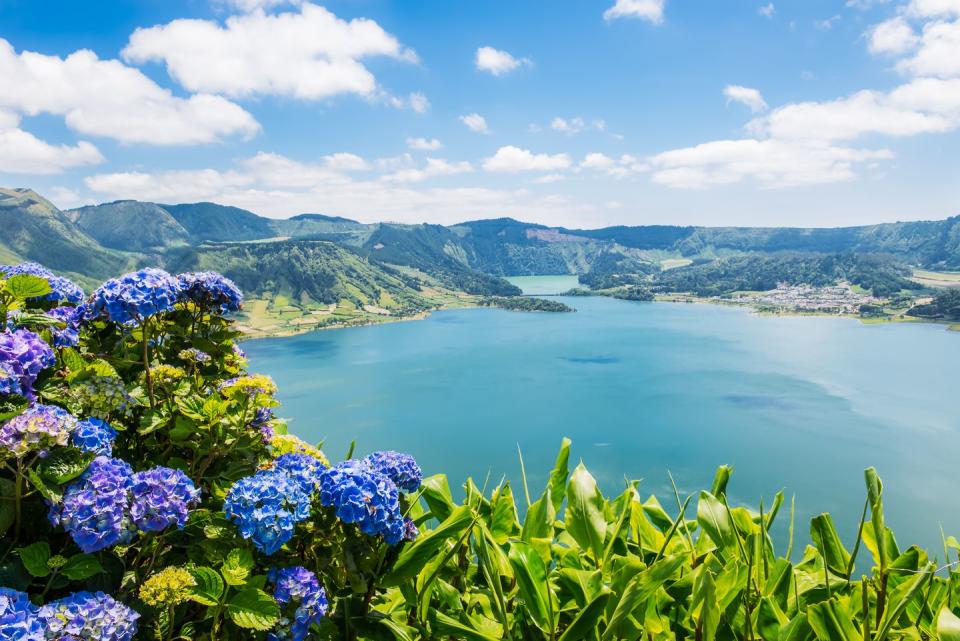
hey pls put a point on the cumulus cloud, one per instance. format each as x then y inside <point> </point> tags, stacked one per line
<point>416,102</point>
<point>512,159</point>
<point>937,51</point>
<point>573,126</point>
<point>309,54</point>
<point>424,144</point>
<point>649,10</point>
<point>23,153</point>
<point>344,161</point>
<point>498,62</point>
<point>767,10</point>
<point>434,167</point>
<point>745,96</point>
<point>107,98</point>
<point>476,123</point>
<point>894,36</point>
<point>597,160</point>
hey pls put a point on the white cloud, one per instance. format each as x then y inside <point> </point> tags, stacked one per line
<point>475,122</point>
<point>597,160</point>
<point>938,51</point>
<point>424,144</point>
<point>746,96</point>
<point>548,179</point>
<point>311,54</point>
<point>8,119</point>
<point>345,162</point>
<point>416,102</point>
<point>894,36</point>
<point>23,153</point>
<point>650,10</point>
<point>767,10</point>
<point>572,126</point>
<point>107,98</point>
<point>64,197</point>
<point>498,62</point>
<point>934,8</point>
<point>827,23</point>
<point>274,170</point>
<point>433,167</point>
<point>254,5</point>
<point>513,159</point>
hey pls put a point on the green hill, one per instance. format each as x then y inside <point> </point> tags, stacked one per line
<point>220,223</point>
<point>130,225</point>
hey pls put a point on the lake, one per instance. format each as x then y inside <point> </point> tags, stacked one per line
<point>801,404</point>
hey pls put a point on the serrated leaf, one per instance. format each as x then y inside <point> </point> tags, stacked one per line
<point>24,286</point>
<point>236,568</point>
<point>45,490</point>
<point>80,567</point>
<point>209,587</point>
<point>253,609</point>
<point>64,464</point>
<point>34,557</point>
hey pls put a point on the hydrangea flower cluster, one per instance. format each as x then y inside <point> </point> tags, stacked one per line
<point>24,355</point>
<point>89,616</point>
<point>363,496</point>
<point>69,335</point>
<point>290,444</point>
<point>162,497</point>
<point>63,289</point>
<point>211,290</point>
<point>102,396</point>
<point>267,507</point>
<point>249,386</point>
<point>261,422</point>
<point>305,599</point>
<point>136,296</point>
<point>94,507</point>
<point>37,429</point>
<point>194,355</point>
<point>400,468</point>
<point>10,382</point>
<point>19,617</point>
<point>94,435</point>
<point>169,586</point>
<point>302,468</point>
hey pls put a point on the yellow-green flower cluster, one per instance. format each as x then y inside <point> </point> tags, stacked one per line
<point>251,386</point>
<point>282,444</point>
<point>166,374</point>
<point>170,586</point>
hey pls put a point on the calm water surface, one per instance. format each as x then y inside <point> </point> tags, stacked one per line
<point>799,404</point>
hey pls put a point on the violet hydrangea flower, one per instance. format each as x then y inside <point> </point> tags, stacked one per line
<point>211,290</point>
<point>10,383</point>
<point>89,616</point>
<point>67,336</point>
<point>162,497</point>
<point>302,468</point>
<point>261,422</point>
<point>361,495</point>
<point>136,296</point>
<point>400,468</point>
<point>94,510</point>
<point>19,620</point>
<point>37,429</point>
<point>24,355</point>
<point>303,602</point>
<point>63,289</point>
<point>94,435</point>
<point>266,508</point>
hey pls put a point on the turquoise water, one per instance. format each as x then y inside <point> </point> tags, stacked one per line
<point>800,404</point>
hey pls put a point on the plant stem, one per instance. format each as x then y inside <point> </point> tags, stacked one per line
<point>146,362</point>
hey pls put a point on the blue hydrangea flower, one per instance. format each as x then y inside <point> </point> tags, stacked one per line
<point>67,336</point>
<point>361,495</point>
<point>162,497</point>
<point>89,616</point>
<point>37,429</point>
<point>261,422</point>
<point>25,355</point>
<point>194,355</point>
<point>10,382</point>
<point>94,435</point>
<point>303,602</point>
<point>63,289</point>
<point>211,290</point>
<point>19,618</point>
<point>136,296</point>
<point>266,508</point>
<point>94,510</point>
<point>302,468</point>
<point>400,468</point>
<point>410,531</point>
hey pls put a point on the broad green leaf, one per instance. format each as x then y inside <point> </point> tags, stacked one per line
<point>34,557</point>
<point>413,558</point>
<point>538,523</point>
<point>64,464</point>
<point>830,622</point>
<point>435,491</point>
<point>446,626</point>
<point>237,566</point>
<point>875,498</point>
<point>720,480</point>
<point>25,286</point>
<point>80,567</point>
<point>770,618</point>
<point>827,541</point>
<point>899,600</point>
<point>587,619</point>
<point>503,519</point>
<point>209,587</point>
<point>253,609</point>
<point>639,589</point>
<point>585,512</point>
<point>558,476</point>
<point>948,625</point>
<point>705,607</point>
<point>45,490</point>
<point>531,575</point>
<point>713,517</point>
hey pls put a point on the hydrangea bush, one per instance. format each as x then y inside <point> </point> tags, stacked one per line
<point>148,489</point>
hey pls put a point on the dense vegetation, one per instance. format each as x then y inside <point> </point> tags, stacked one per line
<point>148,491</point>
<point>945,306</point>
<point>525,304</point>
<point>633,292</point>
<point>881,274</point>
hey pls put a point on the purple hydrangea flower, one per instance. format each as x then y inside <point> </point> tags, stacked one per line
<point>400,468</point>
<point>302,468</point>
<point>25,355</point>
<point>69,335</point>
<point>303,602</point>
<point>10,382</point>
<point>19,618</point>
<point>89,616</point>
<point>266,508</point>
<point>95,507</point>
<point>63,289</point>
<point>136,296</point>
<point>94,435</point>
<point>195,355</point>
<point>211,290</point>
<point>361,495</point>
<point>37,429</point>
<point>410,531</point>
<point>261,421</point>
<point>162,497</point>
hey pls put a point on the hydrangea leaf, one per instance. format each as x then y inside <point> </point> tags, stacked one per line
<point>34,557</point>
<point>236,568</point>
<point>209,587</point>
<point>64,464</point>
<point>253,609</point>
<point>80,567</point>
<point>25,286</point>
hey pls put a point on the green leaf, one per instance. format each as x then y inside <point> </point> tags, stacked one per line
<point>720,480</point>
<point>830,622</point>
<point>715,521</point>
<point>435,491</point>
<point>875,498</point>
<point>948,625</point>
<point>558,476</point>
<point>64,464</point>
<point>237,566</point>
<point>705,607</point>
<point>538,522</point>
<point>585,512</point>
<point>446,626</point>
<point>253,609</point>
<point>80,567</point>
<point>34,557</point>
<point>413,558</point>
<point>639,589</point>
<point>72,359</point>
<point>587,619</point>
<point>827,541</point>
<point>45,491</point>
<point>531,575</point>
<point>503,519</point>
<point>209,587</point>
<point>24,286</point>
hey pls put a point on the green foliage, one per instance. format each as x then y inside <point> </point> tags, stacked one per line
<point>946,306</point>
<point>525,304</point>
<point>131,226</point>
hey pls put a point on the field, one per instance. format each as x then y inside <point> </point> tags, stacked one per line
<point>936,279</point>
<point>673,263</point>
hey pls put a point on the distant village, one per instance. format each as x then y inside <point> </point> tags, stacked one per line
<point>835,299</point>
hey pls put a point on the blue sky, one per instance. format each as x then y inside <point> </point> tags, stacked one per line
<point>580,113</point>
